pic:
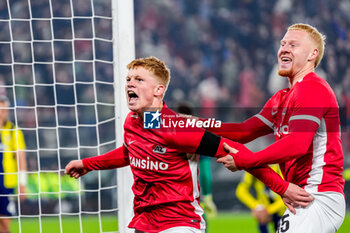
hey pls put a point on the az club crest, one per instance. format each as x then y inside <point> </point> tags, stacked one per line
<point>159,149</point>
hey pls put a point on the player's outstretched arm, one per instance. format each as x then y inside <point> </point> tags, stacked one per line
<point>243,132</point>
<point>292,196</point>
<point>300,138</point>
<point>76,169</point>
<point>110,160</point>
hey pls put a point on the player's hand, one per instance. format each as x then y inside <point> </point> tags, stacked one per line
<point>229,149</point>
<point>261,214</point>
<point>76,169</point>
<point>209,206</point>
<point>295,196</point>
<point>228,160</point>
<point>22,192</point>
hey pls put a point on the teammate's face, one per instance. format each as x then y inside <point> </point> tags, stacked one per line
<point>3,113</point>
<point>295,52</point>
<point>142,90</point>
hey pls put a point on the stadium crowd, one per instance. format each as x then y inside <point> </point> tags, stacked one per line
<point>223,53</point>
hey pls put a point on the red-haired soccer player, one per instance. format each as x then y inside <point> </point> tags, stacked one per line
<point>305,121</point>
<point>165,180</point>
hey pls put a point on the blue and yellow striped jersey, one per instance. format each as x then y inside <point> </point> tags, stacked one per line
<point>263,195</point>
<point>12,140</point>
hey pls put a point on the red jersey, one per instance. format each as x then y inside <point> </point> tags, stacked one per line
<point>166,183</point>
<point>306,125</point>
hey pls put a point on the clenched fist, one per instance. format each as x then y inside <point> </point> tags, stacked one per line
<point>76,169</point>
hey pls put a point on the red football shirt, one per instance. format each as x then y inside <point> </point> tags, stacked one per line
<point>306,125</point>
<point>166,183</point>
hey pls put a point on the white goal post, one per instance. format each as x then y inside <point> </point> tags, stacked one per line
<point>63,68</point>
<point>124,52</point>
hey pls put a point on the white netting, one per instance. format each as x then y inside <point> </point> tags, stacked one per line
<point>56,67</point>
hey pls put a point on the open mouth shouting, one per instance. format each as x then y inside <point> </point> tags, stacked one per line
<point>132,97</point>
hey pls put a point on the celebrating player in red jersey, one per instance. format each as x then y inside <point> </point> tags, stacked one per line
<point>305,121</point>
<point>165,179</point>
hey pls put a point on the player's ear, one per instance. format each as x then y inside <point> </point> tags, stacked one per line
<point>313,55</point>
<point>160,89</point>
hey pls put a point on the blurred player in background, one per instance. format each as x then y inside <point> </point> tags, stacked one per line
<point>165,185</point>
<point>12,155</point>
<point>266,205</point>
<point>305,121</point>
<point>205,180</point>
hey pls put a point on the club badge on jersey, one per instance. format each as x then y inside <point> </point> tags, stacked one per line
<point>159,149</point>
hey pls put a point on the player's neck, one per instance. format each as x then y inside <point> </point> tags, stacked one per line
<point>157,105</point>
<point>300,75</point>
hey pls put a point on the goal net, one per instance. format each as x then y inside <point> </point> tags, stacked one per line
<point>62,65</point>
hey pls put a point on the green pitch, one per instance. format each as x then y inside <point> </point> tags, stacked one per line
<point>223,223</point>
<point>70,224</point>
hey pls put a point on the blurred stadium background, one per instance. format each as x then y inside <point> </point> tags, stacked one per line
<point>222,56</point>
